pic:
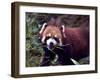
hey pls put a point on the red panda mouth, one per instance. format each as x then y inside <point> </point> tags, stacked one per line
<point>51,45</point>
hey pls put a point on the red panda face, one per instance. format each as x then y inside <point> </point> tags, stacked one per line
<point>52,36</point>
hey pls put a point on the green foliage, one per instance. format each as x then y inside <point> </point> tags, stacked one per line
<point>34,50</point>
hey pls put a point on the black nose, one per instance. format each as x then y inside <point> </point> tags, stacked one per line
<point>51,45</point>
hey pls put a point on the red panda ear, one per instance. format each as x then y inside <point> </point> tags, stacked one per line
<point>43,28</point>
<point>63,30</point>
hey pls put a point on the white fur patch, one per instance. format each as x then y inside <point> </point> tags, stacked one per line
<point>43,27</point>
<point>51,40</point>
<point>43,39</point>
<point>49,34</point>
<point>55,35</point>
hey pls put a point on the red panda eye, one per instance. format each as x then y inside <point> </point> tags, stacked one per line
<point>56,39</point>
<point>46,39</point>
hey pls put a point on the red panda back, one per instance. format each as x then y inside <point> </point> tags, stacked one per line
<point>78,40</point>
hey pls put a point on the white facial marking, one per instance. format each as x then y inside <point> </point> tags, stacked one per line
<point>49,34</point>
<point>43,27</point>
<point>56,36</point>
<point>50,40</point>
<point>43,39</point>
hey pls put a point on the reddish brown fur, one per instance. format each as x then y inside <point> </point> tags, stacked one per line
<point>79,40</point>
<point>53,30</point>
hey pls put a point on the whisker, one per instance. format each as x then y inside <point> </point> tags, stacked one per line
<point>59,47</point>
